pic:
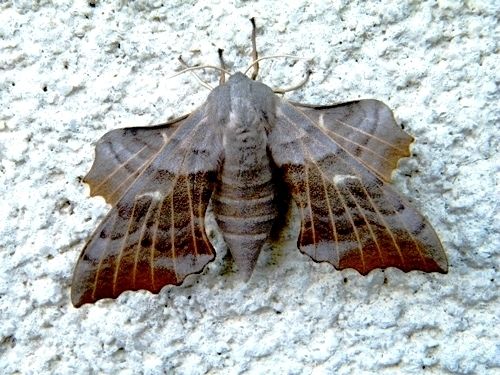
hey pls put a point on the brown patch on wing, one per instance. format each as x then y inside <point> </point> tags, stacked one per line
<point>147,242</point>
<point>362,226</point>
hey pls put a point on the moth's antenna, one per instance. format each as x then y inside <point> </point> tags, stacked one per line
<point>274,57</point>
<point>191,68</point>
<point>255,56</point>
<point>199,67</point>
<point>296,87</point>
<point>203,83</point>
<point>222,78</point>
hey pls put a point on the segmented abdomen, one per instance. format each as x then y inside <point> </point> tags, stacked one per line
<point>244,204</point>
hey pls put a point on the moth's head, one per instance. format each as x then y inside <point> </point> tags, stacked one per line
<point>246,101</point>
<point>241,86</point>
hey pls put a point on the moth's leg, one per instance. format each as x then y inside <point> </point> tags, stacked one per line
<point>255,56</point>
<point>222,78</point>
<point>295,87</point>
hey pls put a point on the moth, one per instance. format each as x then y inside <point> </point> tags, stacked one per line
<point>236,151</point>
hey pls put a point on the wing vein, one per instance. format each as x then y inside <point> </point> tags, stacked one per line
<point>386,226</point>
<point>368,225</point>
<point>172,238</point>
<point>148,161</point>
<point>120,166</point>
<point>201,215</point>
<point>138,247</point>
<point>340,146</point>
<point>308,193</point>
<point>305,150</point>
<point>359,145</point>
<point>153,243</point>
<point>330,215</point>
<point>102,257</point>
<point>351,220</point>
<point>191,216</point>
<point>124,242</point>
<point>370,135</point>
<point>407,231</point>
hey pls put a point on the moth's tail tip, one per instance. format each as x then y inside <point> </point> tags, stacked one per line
<point>245,275</point>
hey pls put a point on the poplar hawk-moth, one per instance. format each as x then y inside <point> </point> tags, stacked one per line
<point>334,161</point>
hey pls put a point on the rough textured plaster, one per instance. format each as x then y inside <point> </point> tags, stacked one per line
<point>69,73</point>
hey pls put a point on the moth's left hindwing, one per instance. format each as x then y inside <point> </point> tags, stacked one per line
<point>334,161</point>
<point>160,180</point>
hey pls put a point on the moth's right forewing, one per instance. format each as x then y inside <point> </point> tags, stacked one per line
<point>366,129</point>
<point>155,234</point>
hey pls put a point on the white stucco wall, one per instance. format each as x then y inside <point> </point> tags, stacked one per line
<point>69,73</point>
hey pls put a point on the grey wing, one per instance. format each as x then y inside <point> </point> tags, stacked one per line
<point>366,129</point>
<point>349,216</point>
<point>122,154</point>
<point>160,181</point>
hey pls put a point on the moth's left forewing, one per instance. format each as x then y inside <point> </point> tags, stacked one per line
<point>121,155</point>
<point>349,216</point>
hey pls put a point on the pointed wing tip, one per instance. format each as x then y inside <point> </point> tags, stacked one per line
<point>79,296</point>
<point>77,303</point>
<point>88,184</point>
<point>245,274</point>
<point>441,268</point>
